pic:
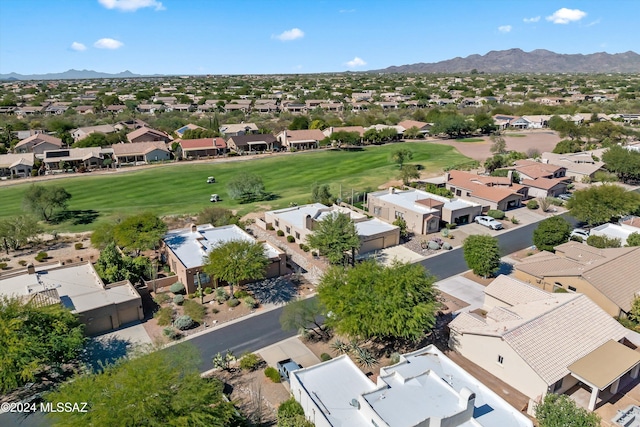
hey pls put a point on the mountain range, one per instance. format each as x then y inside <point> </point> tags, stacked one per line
<point>69,75</point>
<point>536,61</point>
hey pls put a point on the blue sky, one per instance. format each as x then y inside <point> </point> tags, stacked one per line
<point>301,36</point>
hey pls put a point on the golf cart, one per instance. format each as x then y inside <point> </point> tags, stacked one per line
<point>211,180</point>
<point>214,198</point>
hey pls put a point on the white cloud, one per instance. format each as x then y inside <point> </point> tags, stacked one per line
<point>530,20</point>
<point>355,62</point>
<point>131,5</point>
<point>565,16</point>
<point>108,43</point>
<point>504,28</point>
<point>292,34</point>
<point>78,46</point>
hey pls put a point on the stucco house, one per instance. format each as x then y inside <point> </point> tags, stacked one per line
<point>422,211</point>
<point>235,129</point>
<point>490,191</point>
<point>78,287</point>
<point>89,158</point>
<point>16,165</point>
<point>81,133</point>
<point>252,142</point>
<point>140,152</point>
<point>300,139</point>
<point>607,276</point>
<point>145,134</point>
<point>300,221</point>
<point>185,250</point>
<point>425,388</point>
<point>202,147</point>
<point>540,342</point>
<point>577,165</point>
<point>38,144</point>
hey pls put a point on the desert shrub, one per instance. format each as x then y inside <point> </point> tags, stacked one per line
<point>178,299</point>
<point>22,262</point>
<point>447,246</point>
<point>280,233</point>
<point>576,239</point>
<point>240,293</point>
<point>395,358</point>
<point>183,322</point>
<point>325,356</point>
<point>532,204</point>
<point>3,265</point>
<point>515,220</point>
<point>177,288</point>
<point>195,310</point>
<point>291,239</point>
<point>304,247</point>
<point>270,227</point>
<point>164,316</point>
<point>249,302</point>
<point>249,362</point>
<point>496,214</point>
<point>556,201</point>
<point>161,298</point>
<point>221,295</point>
<point>233,302</point>
<point>78,246</point>
<point>215,311</point>
<point>602,176</point>
<point>42,256</point>
<point>451,226</point>
<point>172,334</point>
<point>273,374</point>
<point>207,290</point>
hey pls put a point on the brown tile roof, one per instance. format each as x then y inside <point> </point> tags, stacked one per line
<point>535,169</point>
<point>633,221</point>
<point>304,135</point>
<point>145,130</point>
<point>202,143</point>
<point>358,129</point>
<point>407,124</point>
<point>477,185</point>
<point>543,183</point>
<point>38,138</point>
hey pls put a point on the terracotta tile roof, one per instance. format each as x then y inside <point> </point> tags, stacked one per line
<point>407,124</point>
<point>38,138</point>
<point>202,143</point>
<point>145,130</point>
<point>535,169</point>
<point>543,183</point>
<point>473,183</point>
<point>633,221</point>
<point>304,135</point>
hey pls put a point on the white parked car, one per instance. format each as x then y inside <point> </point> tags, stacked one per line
<point>579,232</point>
<point>488,221</point>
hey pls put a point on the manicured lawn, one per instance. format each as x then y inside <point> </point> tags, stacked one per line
<point>470,140</point>
<point>515,135</point>
<point>182,188</point>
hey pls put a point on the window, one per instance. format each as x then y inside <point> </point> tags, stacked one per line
<point>458,193</point>
<point>500,359</point>
<point>204,278</point>
<point>377,210</point>
<point>297,235</point>
<point>468,193</point>
<point>572,289</point>
<point>399,215</point>
<point>558,385</point>
<point>288,230</point>
<point>277,223</point>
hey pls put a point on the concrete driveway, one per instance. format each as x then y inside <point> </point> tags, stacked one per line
<point>291,348</point>
<point>462,288</point>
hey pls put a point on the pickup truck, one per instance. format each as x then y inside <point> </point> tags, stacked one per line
<point>285,367</point>
<point>488,221</point>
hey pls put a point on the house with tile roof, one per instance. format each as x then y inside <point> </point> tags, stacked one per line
<point>88,158</point>
<point>422,127</point>
<point>235,129</point>
<point>540,342</point>
<point>140,152</point>
<point>300,139</point>
<point>577,165</point>
<point>16,165</point>
<point>185,128</point>
<point>608,276</point>
<point>145,134</point>
<point>491,192</point>
<point>201,147</point>
<point>425,388</point>
<point>300,221</point>
<point>422,211</point>
<point>253,142</point>
<point>38,144</point>
<point>81,133</point>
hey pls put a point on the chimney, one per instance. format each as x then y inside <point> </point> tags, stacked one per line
<point>466,400</point>
<point>194,228</point>
<point>510,175</point>
<point>447,177</point>
<point>392,190</point>
<point>31,269</point>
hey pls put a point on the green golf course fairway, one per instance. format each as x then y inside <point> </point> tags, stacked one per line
<point>181,188</point>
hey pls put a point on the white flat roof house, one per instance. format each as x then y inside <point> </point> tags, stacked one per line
<point>300,221</point>
<point>614,231</point>
<point>79,288</point>
<point>187,248</point>
<point>425,388</point>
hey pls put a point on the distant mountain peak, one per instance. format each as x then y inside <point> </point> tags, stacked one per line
<point>71,74</point>
<point>537,61</point>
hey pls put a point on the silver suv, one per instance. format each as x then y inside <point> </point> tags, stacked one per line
<point>488,221</point>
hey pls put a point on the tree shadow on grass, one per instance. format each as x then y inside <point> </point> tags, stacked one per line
<point>76,217</point>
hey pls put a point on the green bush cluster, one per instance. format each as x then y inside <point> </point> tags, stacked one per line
<point>240,293</point>
<point>78,246</point>
<point>250,302</point>
<point>602,242</point>
<point>291,239</point>
<point>161,298</point>
<point>496,214</point>
<point>177,288</point>
<point>164,316</point>
<point>221,295</point>
<point>172,334</point>
<point>451,226</point>
<point>233,302</point>
<point>22,262</point>
<point>249,362</point>
<point>325,356</point>
<point>304,247</point>
<point>208,290</point>
<point>270,227</point>
<point>178,299</point>
<point>195,310</point>
<point>532,204</point>
<point>3,265</point>
<point>183,322</point>
<point>42,256</point>
<point>273,374</point>
<point>280,233</point>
